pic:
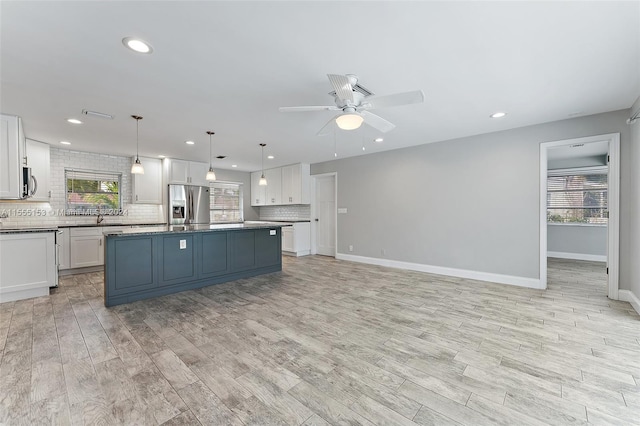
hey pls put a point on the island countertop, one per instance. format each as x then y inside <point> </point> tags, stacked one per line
<point>172,229</point>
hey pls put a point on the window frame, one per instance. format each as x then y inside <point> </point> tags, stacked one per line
<point>240,188</point>
<point>93,175</point>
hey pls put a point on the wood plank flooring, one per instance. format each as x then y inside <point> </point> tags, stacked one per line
<point>326,342</point>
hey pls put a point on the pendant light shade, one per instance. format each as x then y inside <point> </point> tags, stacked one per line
<point>349,121</point>
<point>137,168</point>
<point>211,175</point>
<point>263,180</point>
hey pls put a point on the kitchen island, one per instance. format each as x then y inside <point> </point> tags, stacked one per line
<point>140,264</point>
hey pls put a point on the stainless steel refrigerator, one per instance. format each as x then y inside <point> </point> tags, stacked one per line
<point>189,204</point>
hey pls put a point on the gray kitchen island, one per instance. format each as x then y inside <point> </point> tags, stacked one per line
<point>140,264</point>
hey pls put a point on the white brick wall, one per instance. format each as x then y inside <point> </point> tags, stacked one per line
<point>23,213</point>
<point>295,212</point>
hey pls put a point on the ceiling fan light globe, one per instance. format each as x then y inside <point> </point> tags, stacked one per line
<point>349,121</point>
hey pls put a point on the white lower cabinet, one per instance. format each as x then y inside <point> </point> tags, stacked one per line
<point>64,249</point>
<point>87,247</point>
<point>296,239</point>
<point>27,265</point>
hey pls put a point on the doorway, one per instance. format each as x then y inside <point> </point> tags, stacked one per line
<point>324,214</point>
<point>610,146</point>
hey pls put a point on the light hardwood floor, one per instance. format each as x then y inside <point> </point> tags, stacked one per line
<point>326,342</point>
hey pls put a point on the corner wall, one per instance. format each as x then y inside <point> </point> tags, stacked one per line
<point>468,204</point>
<point>632,247</point>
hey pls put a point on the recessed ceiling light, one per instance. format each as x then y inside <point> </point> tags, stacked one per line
<point>190,142</point>
<point>74,121</point>
<point>498,114</point>
<point>378,140</point>
<point>137,45</point>
<point>234,165</point>
<point>161,156</point>
<point>65,143</point>
<point>270,157</point>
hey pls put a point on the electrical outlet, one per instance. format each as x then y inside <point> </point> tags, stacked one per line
<point>183,244</point>
<point>383,252</point>
<point>350,248</point>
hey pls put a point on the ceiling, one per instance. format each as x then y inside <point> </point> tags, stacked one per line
<point>228,66</point>
<point>592,149</point>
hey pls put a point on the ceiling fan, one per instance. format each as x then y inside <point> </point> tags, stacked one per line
<point>354,101</point>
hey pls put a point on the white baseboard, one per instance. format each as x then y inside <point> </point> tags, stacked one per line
<point>440,270</point>
<point>628,296</point>
<point>577,256</point>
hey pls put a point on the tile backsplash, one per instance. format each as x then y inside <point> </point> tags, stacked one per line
<point>25,213</point>
<point>293,212</point>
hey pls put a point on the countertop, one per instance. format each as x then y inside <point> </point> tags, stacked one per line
<point>28,229</point>
<point>93,225</point>
<point>194,228</point>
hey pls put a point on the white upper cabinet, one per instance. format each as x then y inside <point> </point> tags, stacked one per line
<point>39,159</point>
<point>285,185</point>
<point>258,193</point>
<point>147,188</point>
<point>295,184</point>
<point>274,186</point>
<point>198,173</point>
<point>187,172</point>
<point>11,156</point>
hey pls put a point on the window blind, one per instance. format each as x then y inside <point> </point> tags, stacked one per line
<point>577,198</point>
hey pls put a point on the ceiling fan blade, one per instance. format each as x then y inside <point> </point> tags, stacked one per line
<point>406,98</point>
<point>342,86</point>
<point>326,129</point>
<point>377,122</point>
<point>309,108</point>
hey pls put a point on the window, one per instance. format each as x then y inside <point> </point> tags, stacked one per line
<point>577,196</point>
<point>226,202</point>
<point>89,193</point>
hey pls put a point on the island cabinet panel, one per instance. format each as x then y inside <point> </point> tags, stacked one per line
<point>213,254</point>
<point>149,264</point>
<point>268,247</point>
<point>177,259</point>
<point>243,250</point>
<point>133,268</point>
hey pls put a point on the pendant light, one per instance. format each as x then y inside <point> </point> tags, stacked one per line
<point>137,168</point>
<point>263,180</point>
<point>211,175</point>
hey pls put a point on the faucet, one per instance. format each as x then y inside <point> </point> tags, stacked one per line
<point>100,217</point>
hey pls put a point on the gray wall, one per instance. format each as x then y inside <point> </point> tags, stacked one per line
<point>632,244</point>
<point>578,239</point>
<point>470,203</point>
<point>250,213</point>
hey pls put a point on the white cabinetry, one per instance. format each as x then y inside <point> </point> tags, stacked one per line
<point>295,184</point>
<point>258,193</point>
<point>187,172</point>
<point>296,239</point>
<point>64,249</point>
<point>285,185</point>
<point>87,247</point>
<point>274,186</point>
<point>11,156</point>
<point>27,265</point>
<point>147,187</point>
<point>39,159</point>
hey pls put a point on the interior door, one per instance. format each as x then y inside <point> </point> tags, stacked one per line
<point>326,215</point>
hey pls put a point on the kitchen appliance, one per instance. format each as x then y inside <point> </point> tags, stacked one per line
<point>189,204</point>
<point>29,183</point>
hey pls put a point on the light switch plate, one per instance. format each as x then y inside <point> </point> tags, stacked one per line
<point>342,210</point>
<point>183,244</point>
